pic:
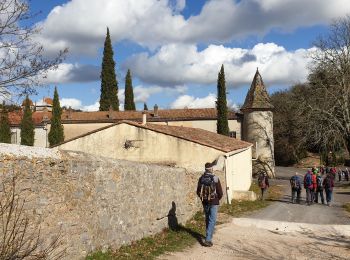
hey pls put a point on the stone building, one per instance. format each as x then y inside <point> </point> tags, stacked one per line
<point>258,125</point>
<point>185,147</point>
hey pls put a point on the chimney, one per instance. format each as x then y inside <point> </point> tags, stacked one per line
<point>110,113</point>
<point>144,118</point>
<point>155,112</point>
<point>70,112</point>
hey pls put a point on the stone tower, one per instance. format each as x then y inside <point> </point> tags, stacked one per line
<point>258,125</point>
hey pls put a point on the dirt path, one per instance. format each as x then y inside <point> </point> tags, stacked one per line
<point>281,231</point>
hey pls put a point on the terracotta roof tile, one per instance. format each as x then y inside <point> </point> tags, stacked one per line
<point>39,117</point>
<point>115,116</point>
<point>163,115</point>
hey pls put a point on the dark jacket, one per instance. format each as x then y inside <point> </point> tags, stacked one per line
<point>297,182</point>
<point>265,181</point>
<point>218,188</point>
<point>329,179</point>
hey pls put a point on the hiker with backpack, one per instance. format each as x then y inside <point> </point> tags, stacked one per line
<point>209,190</point>
<point>263,182</point>
<point>319,189</point>
<point>328,184</point>
<point>308,187</point>
<point>340,173</point>
<point>346,174</point>
<point>295,184</point>
<point>314,184</point>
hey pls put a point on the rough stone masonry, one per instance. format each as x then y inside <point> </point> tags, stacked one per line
<point>96,203</point>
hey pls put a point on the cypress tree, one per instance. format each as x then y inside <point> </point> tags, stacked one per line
<point>109,84</point>
<point>27,125</point>
<point>129,103</point>
<point>56,134</point>
<point>5,130</point>
<point>145,106</point>
<point>221,104</point>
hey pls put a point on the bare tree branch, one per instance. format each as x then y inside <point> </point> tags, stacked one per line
<point>22,62</point>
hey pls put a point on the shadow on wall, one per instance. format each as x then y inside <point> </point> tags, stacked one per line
<point>174,225</point>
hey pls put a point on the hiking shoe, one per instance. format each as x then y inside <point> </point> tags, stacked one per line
<point>207,243</point>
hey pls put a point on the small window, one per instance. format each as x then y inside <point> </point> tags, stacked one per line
<point>233,134</point>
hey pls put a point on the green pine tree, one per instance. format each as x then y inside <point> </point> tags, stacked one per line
<point>27,125</point>
<point>5,130</point>
<point>221,105</point>
<point>109,84</point>
<point>56,134</point>
<point>129,103</point>
<point>145,106</point>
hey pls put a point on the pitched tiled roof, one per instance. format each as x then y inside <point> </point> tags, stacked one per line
<point>163,115</point>
<point>257,97</point>
<point>196,135</point>
<point>39,117</point>
<point>115,116</point>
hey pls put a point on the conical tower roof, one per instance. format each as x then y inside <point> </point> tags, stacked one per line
<point>257,97</point>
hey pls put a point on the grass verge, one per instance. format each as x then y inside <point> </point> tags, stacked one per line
<point>185,236</point>
<point>346,206</point>
<point>240,208</point>
<point>153,246</point>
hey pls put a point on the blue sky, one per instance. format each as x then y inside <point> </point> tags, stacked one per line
<point>174,48</point>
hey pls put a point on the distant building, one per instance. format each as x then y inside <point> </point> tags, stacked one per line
<point>253,124</point>
<point>44,105</point>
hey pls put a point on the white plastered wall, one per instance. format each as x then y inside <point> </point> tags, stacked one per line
<point>146,146</point>
<point>238,171</point>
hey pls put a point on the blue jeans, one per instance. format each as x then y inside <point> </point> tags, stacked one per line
<point>309,196</point>
<point>328,195</point>
<point>210,212</point>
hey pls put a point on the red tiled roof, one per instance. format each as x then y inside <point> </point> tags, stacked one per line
<point>163,115</point>
<point>48,100</point>
<point>196,135</point>
<point>115,116</point>
<point>15,117</point>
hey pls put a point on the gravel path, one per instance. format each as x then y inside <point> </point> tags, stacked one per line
<point>281,231</point>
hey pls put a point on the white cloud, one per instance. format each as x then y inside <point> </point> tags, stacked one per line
<point>77,104</point>
<point>156,22</point>
<point>195,102</point>
<point>67,72</point>
<point>141,95</point>
<point>179,64</point>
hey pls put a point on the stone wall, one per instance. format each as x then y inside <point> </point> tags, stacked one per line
<point>95,202</point>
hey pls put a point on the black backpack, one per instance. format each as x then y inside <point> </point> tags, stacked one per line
<point>208,187</point>
<point>294,183</point>
<point>327,182</point>
<point>319,182</point>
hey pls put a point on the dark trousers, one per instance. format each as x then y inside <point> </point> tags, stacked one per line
<point>328,195</point>
<point>296,195</point>
<point>319,192</point>
<point>263,191</point>
<point>309,196</point>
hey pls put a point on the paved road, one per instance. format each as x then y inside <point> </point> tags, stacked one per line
<point>283,210</point>
<point>280,231</point>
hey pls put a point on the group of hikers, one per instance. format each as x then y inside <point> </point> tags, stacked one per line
<point>343,174</point>
<point>316,182</point>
